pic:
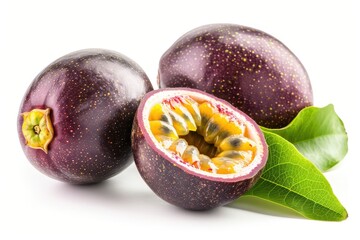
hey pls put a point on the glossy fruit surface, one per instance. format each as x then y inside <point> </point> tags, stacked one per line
<point>75,119</point>
<point>194,150</point>
<point>252,70</point>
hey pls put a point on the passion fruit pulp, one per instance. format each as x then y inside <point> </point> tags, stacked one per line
<point>194,150</point>
<point>250,69</point>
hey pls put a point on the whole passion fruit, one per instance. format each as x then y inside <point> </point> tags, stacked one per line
<point>249,68</point>
<point>75,119</point>
<point>194,150</point>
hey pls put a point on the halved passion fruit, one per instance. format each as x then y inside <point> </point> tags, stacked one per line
<point>195,150</point>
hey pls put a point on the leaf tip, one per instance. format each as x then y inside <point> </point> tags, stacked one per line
<point>345,215</point>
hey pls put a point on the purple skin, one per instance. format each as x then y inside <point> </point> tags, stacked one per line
<point>179,185</point>
<point>93,95</point>
<point>250,69</point>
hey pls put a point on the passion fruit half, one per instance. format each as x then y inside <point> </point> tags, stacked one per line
<point>247,67</point>
<point>194,150</point>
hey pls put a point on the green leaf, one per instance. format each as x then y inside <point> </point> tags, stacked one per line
<point>289,179</point>
<point>319,134</point>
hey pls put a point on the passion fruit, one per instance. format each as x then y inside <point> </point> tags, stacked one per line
<point>194,150</point>
<point>75,119</point>
<point>252,70</point>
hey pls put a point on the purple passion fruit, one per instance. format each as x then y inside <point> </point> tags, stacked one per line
<point>250,69</point>
<point>194,150</point>
<point>75,119</point>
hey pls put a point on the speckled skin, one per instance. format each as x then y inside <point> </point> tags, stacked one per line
<point>249,68</point>
<point>179,187</point>
<point>93,95</point>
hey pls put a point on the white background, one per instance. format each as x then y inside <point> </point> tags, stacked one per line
<point>323,34</point>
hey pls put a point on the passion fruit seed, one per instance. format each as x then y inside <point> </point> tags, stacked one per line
<point>37,129</point>
<point>233,150</point>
